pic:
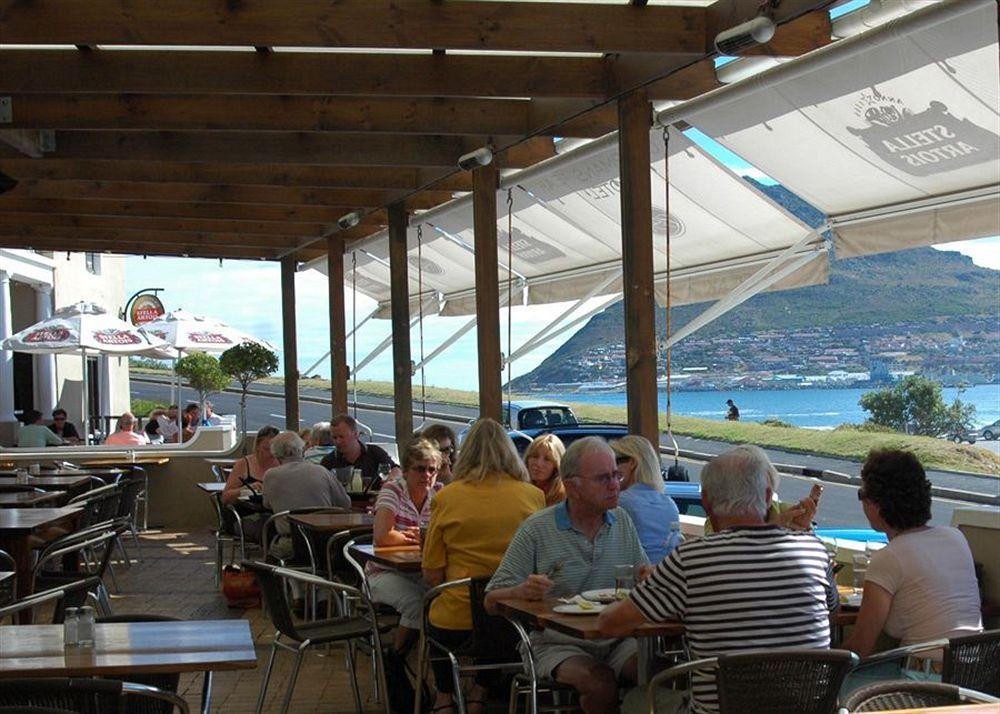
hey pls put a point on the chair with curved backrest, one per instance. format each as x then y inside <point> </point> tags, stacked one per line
<point>229,529</point>
<point>93,546</point>
<point>8,578</point>
<point>490,635</point>
<point>81,695</point>
<point>908,694</point>
<point>219,473</point>
<point>134,486</point>
<point>99,504</point>
<point>361,625</point>
<point>971,661</point>
<point>166,681</point>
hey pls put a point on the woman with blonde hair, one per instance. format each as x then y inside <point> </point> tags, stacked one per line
<point>472,520</point>
<point>542,458</point>
<point>642,495</point>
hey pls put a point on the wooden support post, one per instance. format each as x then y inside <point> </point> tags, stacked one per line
<point>289,346</point>
<point>338,329</point>
<point>402,374</point>
<point>634,116</point>
<point>485,181</point>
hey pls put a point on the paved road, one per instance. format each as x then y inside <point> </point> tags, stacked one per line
<point>839,506</point>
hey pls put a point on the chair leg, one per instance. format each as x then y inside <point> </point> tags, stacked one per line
<point>456,678</point>
<point>267,675</point>
<point>219,547</point>
<point>135,539</point>
<point>103,600</point>
<point>354,677</point>
<point>423,656</point>
<point>291,680</point>
<point>120,542</point>
<point>114,580</point>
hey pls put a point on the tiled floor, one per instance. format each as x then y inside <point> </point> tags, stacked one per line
<point>175,577</point>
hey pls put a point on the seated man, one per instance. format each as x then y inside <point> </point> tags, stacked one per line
<point>34,434</point>
<point>210,418</point>
<point>351,452</point>
<point>749,585</point>
<point>563,550</point>
<point>168,425</point>
<point>190,420</point>
<point>321,442</point>
<point>296,483</point>
<point>62,427</point>
<point>125,434</point>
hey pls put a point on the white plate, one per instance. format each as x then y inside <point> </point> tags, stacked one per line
<point>574,609</point>
<point>605,595</point>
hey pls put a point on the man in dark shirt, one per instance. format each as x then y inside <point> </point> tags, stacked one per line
<point>351,452</point>
<point>733,411</point>
<point>62,427</point>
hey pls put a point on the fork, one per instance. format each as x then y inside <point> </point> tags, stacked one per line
<point>556,567</point>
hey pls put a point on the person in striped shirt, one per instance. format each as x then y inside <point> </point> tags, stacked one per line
<point>749,585</point>
<point>564,550</point>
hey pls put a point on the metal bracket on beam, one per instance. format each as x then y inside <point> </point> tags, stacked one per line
<point>6,110</point>
<point>30,143</point>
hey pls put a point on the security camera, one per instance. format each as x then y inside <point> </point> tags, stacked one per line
<point>474,159</point>
<point>744,36</point>
<point>349,220</point>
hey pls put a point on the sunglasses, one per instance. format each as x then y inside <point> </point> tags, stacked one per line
<point>622,458</point>
<point>861,494</point>
<point>424,469</point>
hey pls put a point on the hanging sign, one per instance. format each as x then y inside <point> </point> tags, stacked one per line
<point>145,308</point>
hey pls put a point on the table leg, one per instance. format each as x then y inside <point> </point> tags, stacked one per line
<point>206,693</point>
<point>19,549</point>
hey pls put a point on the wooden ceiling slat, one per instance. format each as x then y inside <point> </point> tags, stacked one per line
<point>416,24</point>
<point>222,193</point>
<point>236,173</point>
<point>293,73</point>
<point>311,148</point>
<point>193,250</point>
<point>198,225</point>
<point>221,211</point>
<point>244,240</point>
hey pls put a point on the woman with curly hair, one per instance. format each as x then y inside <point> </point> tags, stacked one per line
<point>542,458</point>
<point>922,585</point>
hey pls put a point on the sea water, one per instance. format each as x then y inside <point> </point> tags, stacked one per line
<point>811,408</point>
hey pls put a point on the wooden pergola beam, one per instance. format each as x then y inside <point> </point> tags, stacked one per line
<point>413,24</point>
<point>192,112</point>
<point>294,148</point>
<point>220,211</point>
<point>220,193</point>
<point>141,223</point>
<point>193,250</point>
<point>239,173</point>
<point>112,236</point>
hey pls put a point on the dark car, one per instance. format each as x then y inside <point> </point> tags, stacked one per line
<point>990,431</point>
<point>567,433</point>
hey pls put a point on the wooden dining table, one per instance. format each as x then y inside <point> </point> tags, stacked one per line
<point>404,558</point>
<point>956,709</point>
<point>29,499</point>
<point>123,649</point>
<point>211,486</point>
<point>72,485</point>
<point>23,528</point>
<point>105,474</point>
<point>334,522</point>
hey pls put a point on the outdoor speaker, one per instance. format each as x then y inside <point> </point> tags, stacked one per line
<point>744,36</point>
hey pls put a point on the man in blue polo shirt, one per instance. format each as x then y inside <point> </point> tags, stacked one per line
<point>568,548</point>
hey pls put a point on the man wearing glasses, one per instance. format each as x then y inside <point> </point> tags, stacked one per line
<point>63,428</point>
<point>583,543</point>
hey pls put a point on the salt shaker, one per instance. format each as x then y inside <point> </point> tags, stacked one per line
<point>85,630</point>
<point>71,622</point>
<point>35,469</point>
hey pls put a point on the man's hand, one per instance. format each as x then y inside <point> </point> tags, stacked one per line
<point>535,587</point>
<point>798,517</point>
<point>642,572</point>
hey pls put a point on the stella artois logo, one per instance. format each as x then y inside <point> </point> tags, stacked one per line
<point>209,338</point>
<point>117,337</point>
<point>146,308</point>
<point>162,334</point>
<point>677,227</point>
<point>429,267</point>
<point>923,143</point>
<point>528,248</point>
<point>48,334</point>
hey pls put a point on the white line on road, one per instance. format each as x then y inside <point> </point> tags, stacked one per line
<point>277,416</point>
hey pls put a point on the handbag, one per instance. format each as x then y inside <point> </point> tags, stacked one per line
<point>240,587</point>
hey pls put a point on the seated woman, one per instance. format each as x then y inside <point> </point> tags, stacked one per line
<point>472,522</point>
<point>249,472</point>
<point>445,439</point>
<point>403,506</point>
<point>643,497</point>
<point>125,434</point>
<point>542,457</point>
<point>922,585</point>
<point>152,428</point>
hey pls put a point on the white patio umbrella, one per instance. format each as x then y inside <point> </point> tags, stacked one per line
<point>186,332</point>
<point>84,329</point>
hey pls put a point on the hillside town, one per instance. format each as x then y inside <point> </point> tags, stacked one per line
<point>953,351</point>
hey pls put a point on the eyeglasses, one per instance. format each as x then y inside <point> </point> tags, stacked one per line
<point>622,458</point>
<point>422,469</point>
<point>58,418</point>
<point>861,494</point>
<point>602,479</point>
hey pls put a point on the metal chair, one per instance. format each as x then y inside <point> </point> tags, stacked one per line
<point>99,504</point>
<point>362,624</point>
<point>167,681</point>
<point>94,547</point>
<point>134,486</point>
<point>971,661</point>
<point>220,474</point>
<point>529,685</point>
<point>8,586</point>
<point>69,595</point>
<point>908,694</point>
<point>82,695</point>
<point>229,529</point>
<point>810,680</point>
<point>489,635</point>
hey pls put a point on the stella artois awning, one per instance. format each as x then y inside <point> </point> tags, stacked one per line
<point>893,133</point>
<point>82,328</point>
<point>566,226</point>
<point>187,333</point>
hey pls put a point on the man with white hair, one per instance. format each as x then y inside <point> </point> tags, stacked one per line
<point>749,585</point>
<point>321,442</point>
<point>125,434</point>
<point>296,483</point>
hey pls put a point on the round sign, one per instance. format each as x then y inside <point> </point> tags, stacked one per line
<point>145,308</point>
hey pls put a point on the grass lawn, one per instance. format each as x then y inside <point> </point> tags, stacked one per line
<point>933,453</point>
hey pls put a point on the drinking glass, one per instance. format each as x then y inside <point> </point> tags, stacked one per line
<point>624,578</point>
<point>860,563</point>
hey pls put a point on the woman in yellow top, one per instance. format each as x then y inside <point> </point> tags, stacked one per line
<point>472,521</point>
<point>542,458</point>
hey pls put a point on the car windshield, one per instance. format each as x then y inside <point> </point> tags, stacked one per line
<point>539,417</point>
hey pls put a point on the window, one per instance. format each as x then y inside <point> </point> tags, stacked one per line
<point>93,261</point>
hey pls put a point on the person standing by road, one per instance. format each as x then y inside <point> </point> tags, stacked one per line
<point>733,411</point>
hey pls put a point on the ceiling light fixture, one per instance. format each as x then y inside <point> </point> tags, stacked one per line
<point>744,36</point>
<point>483,156</point>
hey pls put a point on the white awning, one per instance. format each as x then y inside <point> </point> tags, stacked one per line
<point>894,134</point>
<point>567,234</point>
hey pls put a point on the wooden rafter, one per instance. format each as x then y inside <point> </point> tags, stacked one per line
<point>406,24</point>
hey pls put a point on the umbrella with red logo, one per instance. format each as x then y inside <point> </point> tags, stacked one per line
<point>84,329</point>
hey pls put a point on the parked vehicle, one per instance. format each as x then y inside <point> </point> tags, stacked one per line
<point>533,415</point>
<point>990,431</point>
<point>959,437</point>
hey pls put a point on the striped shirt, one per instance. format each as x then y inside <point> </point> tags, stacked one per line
<point>395,497</point>
<point>744,588</point>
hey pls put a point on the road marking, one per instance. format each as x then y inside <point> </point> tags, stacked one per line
<point>277,416</point>
<point>390,437</point>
